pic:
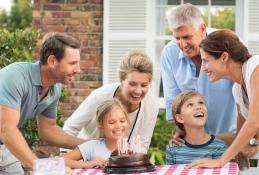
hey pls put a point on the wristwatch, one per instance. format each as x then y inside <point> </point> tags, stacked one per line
<point>253,142</point>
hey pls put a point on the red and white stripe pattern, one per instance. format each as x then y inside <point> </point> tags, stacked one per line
<point>228,169</point>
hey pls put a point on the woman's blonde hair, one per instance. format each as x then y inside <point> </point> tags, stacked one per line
<point>136,60</point>
<point>106,107</point>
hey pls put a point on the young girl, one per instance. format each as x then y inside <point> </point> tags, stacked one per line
<point>190,113</point>
<point>112,121</point>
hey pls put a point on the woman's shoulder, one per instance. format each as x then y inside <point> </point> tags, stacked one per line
<point>251,63</point>
<point>106,87</point>
<point>150,103</point>
<point>102,93</point>
<point>150,97</point>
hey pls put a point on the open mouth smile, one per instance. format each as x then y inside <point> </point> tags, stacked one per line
<point>199,114</point>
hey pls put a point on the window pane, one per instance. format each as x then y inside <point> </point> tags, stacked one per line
<point>168,2</point>
<point>223,2</point>
<point>161,91</point>
<point>160,44</point>
<point>197,2</point>
<point>205,12</point>
<point>161,21</point>
<point>174,2</point>
<point>223,18</point>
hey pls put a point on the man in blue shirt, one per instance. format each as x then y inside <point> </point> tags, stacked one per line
<point>181,64</point>
<point>29,90</point>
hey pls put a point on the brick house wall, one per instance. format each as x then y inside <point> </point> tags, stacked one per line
<point>82,19</point>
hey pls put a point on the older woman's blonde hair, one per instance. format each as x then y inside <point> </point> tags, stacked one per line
<point>136,60</point>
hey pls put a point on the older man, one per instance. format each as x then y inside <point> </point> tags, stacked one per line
<point>34,90</point>
<point>181,64</point>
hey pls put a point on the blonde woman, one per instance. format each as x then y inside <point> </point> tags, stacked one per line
<point>135,75</point>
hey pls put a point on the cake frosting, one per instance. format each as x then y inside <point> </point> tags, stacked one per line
<point>127,160</point>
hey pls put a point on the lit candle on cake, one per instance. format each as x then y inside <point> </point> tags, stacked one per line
<point>118,146</point>
<point>133,143</point>
<point>138,143</point>
<point>123,146</point>
<point>126,143</point>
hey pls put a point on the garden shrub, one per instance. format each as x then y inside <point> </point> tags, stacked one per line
<point>16,46</point>
<point>160,139</point>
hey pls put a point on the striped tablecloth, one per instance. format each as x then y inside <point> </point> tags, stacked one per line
<point>228,169</point>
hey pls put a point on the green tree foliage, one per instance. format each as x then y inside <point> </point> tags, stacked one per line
<point>222,18</point>
<point>160,139</point>
<point>16,46</point>
<point>20,16</point>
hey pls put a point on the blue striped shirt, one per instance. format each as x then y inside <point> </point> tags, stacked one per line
<point>187,152</point>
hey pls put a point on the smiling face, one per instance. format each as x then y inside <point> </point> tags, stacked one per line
<point>115,124</point>
<point>65,69</point>
<point>215,68</point>
<point>188,39</point>
<point>193,112</point>
<point>135,87</point>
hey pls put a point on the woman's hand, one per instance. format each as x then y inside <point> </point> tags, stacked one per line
<point>206,163</point>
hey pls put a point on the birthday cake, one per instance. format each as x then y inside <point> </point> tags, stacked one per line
<point>128,163</point>
<point>128,158</point>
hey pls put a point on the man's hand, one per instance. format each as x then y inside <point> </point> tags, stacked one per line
<point>242,161</point>
<point>69,171</point>
<point>177,135</point>
<point>248,151</point>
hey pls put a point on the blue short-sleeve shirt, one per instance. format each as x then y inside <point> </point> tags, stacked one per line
<point>20,89</point>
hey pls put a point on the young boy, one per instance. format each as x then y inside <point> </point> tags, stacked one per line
<point>190,112</point>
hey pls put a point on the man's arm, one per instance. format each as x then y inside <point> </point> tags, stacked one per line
<point>49,131</point>
<point>11,136</point>
<point>170,87</point>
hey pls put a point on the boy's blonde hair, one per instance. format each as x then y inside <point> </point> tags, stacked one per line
<point>136,60</point>
<point>178,103</point>
<point>106,107</point>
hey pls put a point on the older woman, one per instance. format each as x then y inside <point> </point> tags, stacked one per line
<point>133,92</point>
<point>225,57</point>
